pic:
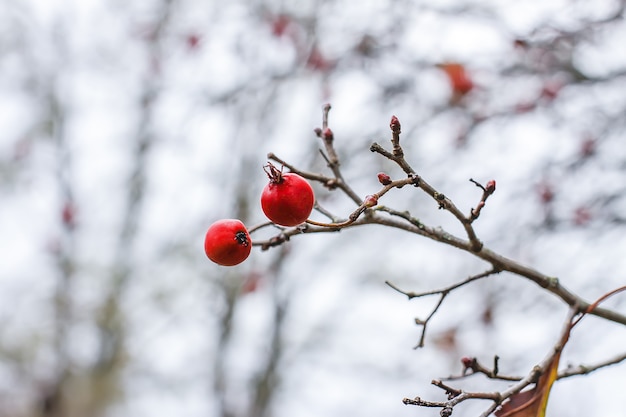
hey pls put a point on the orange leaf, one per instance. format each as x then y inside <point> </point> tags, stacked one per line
<point>460,81</point>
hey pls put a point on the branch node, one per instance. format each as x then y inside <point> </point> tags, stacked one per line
<point>416,179</point>
<point>446,412</point>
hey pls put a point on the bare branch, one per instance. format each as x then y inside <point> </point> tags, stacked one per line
<point>456,396</point>
<point>489,189</point>
<point>498,261</point>
<point>472,364</point>
<point>424,323</point>
<point>382,215</point>
<point>411,295</point>
<point>331,156</point>
<point>444,203</point>
<point>587,369</point>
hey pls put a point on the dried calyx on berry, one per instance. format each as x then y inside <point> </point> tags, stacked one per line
<point>274,174</point>
<point>287,199</point>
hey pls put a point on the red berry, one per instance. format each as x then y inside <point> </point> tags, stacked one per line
<point>288,198</point>
<point>227,242</point>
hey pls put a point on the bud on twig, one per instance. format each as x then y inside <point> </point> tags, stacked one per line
<point>468,362</point>
<point>384,179</point>
<point>394,124</point>
<point>370,200</point>
<point>327,135</point>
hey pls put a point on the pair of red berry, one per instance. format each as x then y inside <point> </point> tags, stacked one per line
<point>287,200</point>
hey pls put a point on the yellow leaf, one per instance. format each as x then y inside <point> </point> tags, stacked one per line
<point>533,402</point>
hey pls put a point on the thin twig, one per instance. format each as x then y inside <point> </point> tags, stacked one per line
<point>331,156</point>
<point>487,191</point>
<point>472,278</point>
<point>261,226</point>
<point>366,204</point>
<point>477,369</point>
<point>444,203</point>
<point>377,214</point>
<point>499,397</point>
<point>424,323</point>
<point>587,369</point>
<point>499,262</point>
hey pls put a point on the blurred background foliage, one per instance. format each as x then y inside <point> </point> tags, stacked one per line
<point>126,128</point>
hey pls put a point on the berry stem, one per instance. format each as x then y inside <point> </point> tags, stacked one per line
<point>274,174</point>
